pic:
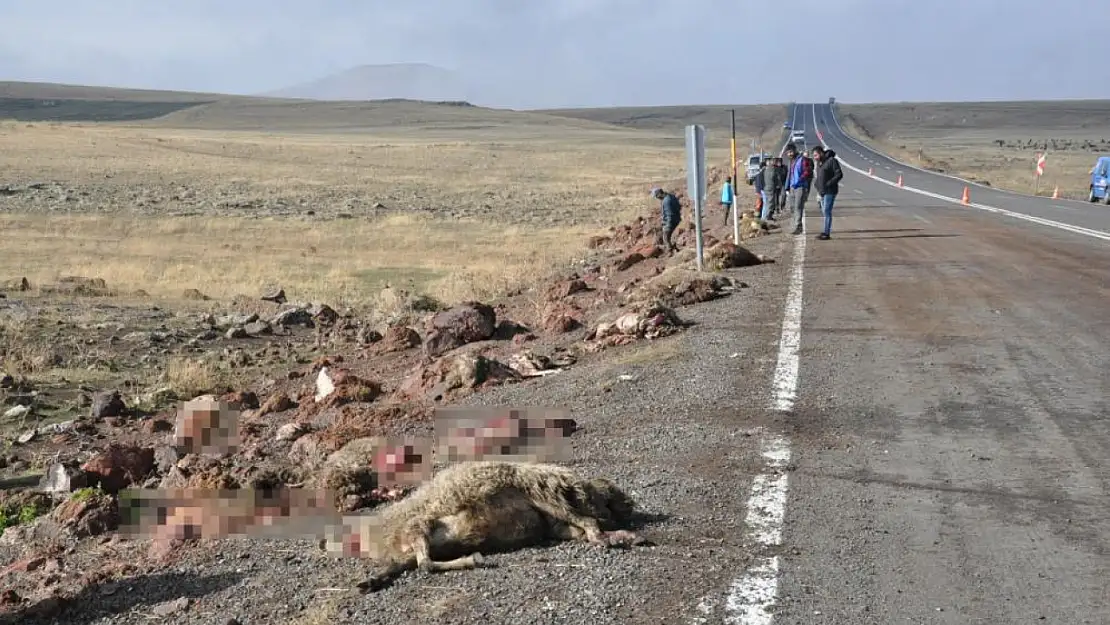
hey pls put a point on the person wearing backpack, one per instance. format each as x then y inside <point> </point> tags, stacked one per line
<point>798,183</point>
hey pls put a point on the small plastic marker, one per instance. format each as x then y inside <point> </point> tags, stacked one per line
<point>966,199</point>
<point>1056,193</point>
<point>899,179</point>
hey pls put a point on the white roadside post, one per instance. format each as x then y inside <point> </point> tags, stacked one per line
<point>695,179</point>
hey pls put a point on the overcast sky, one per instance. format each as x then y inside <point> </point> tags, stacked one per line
<point>536,53</point>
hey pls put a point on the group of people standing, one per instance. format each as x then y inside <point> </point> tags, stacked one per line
<point>777,184</point>
<point>780,184</point>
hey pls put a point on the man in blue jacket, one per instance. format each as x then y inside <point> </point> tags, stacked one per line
<point>672,214</point>
<point>798,183</point>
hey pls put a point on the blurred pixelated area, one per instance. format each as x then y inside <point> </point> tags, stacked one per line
<point>500,433</point>
<point>402,462</point>
<point>195,513</point>
<point>207,426</point>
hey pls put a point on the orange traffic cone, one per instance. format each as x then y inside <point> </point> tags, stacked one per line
<point>899,179</point>
<point>1056,193</point>
<point>966,199</point>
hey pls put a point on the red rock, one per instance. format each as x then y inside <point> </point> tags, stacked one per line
<point>398,339</point>
<point>90,516</point>
<point>278,402</point>
<point>241,400</point>
<point>468,322</point>
<point>649,250</point>
<point>628,261</point>
<point>564,288</point>
<point>120,466</point>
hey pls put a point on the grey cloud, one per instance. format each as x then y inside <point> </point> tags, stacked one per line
<point>577,52</point>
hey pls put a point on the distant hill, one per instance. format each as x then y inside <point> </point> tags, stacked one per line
<point>406,81</point>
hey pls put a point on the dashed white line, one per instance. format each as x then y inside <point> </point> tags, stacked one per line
<point>887,202</point>
<point>751,596</point>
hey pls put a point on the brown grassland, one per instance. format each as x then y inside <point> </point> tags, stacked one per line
<point>991,142</point>
<point>330,200</point>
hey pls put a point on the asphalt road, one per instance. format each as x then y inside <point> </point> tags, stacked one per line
<point>951,429</point>
<point>1071,212</point>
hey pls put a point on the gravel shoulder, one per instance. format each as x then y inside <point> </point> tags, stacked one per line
<point>672,420</point>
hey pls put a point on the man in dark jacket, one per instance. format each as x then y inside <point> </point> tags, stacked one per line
<point>672,214</point>
<point>772,187</point>
<point>826,180</point>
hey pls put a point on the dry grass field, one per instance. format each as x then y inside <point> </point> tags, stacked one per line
<point>328,200</point>
<point>991,142</point>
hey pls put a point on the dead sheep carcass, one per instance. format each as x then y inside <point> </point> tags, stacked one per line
<point>473,508</point>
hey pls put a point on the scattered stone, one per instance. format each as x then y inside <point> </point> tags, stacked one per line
<point>291,431</point>
<point>628,261</point>
<point>399,339</point>
<point>17,412</point>
<point>368,336</point>
<point>565,288</point>
<point>107,404</point>
<point>169,608</point>
<point>63,478</point>
<point>119,466</point>
<point>278,402</point>
<point>340,386</point>
<point>531,365</point>
<point>166,458</point>
<point>193,294</point>
<point>292,317</point>
<point>468,322</point>
<point>241,400</point>
<point>88,514</point>
<point>458,372</point>
<point>258,328</point>
<point>560,318</point>
<point>324,314</point>
<point>277,297</point>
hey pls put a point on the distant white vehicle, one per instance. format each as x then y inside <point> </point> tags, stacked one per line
<point>798,136</point>
<point>753,165</point>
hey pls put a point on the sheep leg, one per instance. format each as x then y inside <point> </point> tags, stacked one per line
<point>418,533</point>
<point>583,524</point>
<point>425,562</point>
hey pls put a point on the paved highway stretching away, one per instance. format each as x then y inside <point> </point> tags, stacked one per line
<point>951,429</point>
<point>853,152</point>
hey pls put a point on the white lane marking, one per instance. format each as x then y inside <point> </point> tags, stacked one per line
<point>752,595</point>
<point>1098,234</point>
<point>857,191</point>
<point>786,372</point>
<point>922,219</point>
<point>887,202</point>
<point>705,610</point>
